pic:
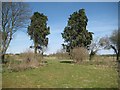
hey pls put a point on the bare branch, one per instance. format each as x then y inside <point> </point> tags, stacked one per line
<point>15,15</point>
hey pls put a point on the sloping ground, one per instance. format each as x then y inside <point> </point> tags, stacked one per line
<point>62,75</point>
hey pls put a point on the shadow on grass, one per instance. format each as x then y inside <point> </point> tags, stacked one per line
<point>67,61</point>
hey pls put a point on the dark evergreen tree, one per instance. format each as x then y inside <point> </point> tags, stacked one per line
<point>75,33</point>
<point>38,31</point>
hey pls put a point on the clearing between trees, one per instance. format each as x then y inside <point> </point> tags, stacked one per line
<point>56,74</point>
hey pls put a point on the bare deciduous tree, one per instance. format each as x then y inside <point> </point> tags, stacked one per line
<point>113,42</point>
<point>93,48</point>
<point>14,17</point>
<point>98,44</point>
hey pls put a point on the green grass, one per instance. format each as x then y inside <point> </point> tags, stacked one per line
<point>62,75</point>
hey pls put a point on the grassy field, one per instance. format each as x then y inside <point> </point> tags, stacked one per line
<point>62,75</point>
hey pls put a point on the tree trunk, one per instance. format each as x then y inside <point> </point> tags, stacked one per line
<point>35,46</point>
<point>42,53</point>
<point>5,46</point>
<point>118,55</point>
<point>35,50</point>
<point>3,58</point>
<point>92,54</point>
<point>116,52</point>
<point>117,58</point>
<point>90,57</point>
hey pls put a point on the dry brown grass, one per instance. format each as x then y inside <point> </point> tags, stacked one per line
<point>61,55</point>
<point>104,61</point>
<point>26,60</point>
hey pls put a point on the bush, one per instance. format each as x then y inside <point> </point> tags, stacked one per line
<point>29,60</point>
<point>79,54</point>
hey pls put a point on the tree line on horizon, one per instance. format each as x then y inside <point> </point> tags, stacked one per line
<point>16,16</point>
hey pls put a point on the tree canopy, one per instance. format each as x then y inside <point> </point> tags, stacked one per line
<point>15,15</point>
<point>38,31</point>
<point>75,33</point>
<point>112,42</point>
<point>115,42</point>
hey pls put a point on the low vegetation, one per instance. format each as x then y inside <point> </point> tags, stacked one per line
<point>98,73</point>
<point>23,61</point>
<point>79,54</point>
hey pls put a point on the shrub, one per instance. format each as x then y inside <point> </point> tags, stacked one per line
<point>79,54</point>
<point>29,60</point>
